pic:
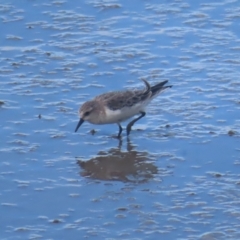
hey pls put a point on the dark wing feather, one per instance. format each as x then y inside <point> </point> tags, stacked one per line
<point>118,100</point>
<point>159,87</point>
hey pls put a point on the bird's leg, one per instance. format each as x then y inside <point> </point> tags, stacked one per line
<point>129,126</point>
<point>120,130</point>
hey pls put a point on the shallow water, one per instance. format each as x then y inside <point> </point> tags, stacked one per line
<point>178,174</point>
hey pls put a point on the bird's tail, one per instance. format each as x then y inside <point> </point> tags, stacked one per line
<point>159,87</point>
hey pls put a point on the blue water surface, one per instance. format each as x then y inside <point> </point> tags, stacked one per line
<point>176,176</point>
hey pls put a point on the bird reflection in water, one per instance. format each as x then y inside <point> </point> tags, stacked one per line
<point>115,164</point>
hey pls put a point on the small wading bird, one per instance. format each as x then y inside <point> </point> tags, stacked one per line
<point>116,107</point>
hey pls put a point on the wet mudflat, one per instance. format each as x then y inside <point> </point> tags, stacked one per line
<point>178,174</point>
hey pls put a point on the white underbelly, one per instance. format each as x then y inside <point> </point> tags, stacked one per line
<point>117,116</point>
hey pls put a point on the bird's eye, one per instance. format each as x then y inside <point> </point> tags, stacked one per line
<point>86,113</point>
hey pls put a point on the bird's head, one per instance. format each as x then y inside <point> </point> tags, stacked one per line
<point>88,112</point>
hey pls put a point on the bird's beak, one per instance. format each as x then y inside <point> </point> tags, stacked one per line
<point>79,124</point>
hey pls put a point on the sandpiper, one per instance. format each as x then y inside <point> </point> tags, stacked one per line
<point>116,107</point>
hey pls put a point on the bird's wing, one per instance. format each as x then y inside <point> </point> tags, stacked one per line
<point>121,99</point>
